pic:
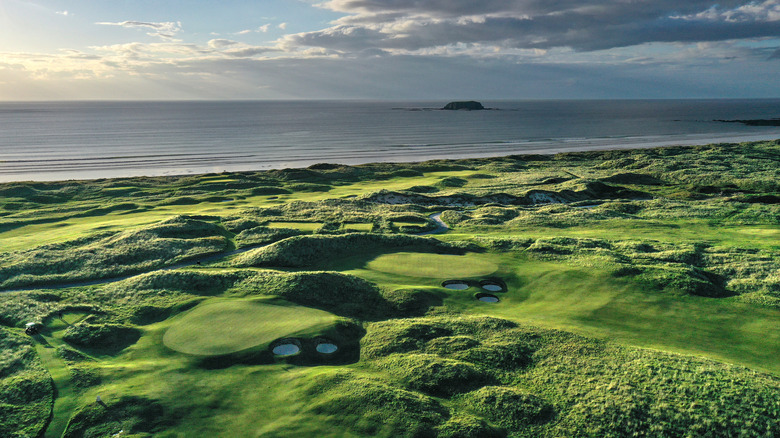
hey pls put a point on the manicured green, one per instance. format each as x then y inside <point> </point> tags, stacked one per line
<point>432,265</point>
<point>224,327</point>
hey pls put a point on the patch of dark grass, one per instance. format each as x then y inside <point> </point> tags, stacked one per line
<point>72,356</point>
<point>148,248</point>
<point>509,407</point>
<point>465,426</point>
<point>26,391</point>
<point>264,235</point>
<point>435,375</point>
<point>341,294</point>
<point>133,415</point>
<point>269,191</point>
<point>308,251</point>
<point>110,338</point>
<point>308,187</point>
<point>370,406</point>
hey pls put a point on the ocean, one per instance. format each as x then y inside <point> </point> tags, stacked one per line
<point>87,140</point>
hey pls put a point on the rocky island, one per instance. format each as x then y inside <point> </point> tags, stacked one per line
<point>470,105</point>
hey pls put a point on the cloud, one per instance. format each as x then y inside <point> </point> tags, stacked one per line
<point>282,26</point>
<point>767,11</point>
<point>262,29</point>
<point>405,26</point>
<point>64,13</point>
<point>165,30</point>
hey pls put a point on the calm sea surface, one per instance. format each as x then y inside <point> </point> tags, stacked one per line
<point>78,140</point>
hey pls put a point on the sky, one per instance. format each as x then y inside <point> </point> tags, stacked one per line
<point>388,49</point>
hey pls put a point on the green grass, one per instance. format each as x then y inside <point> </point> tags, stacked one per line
<point>589,300</point>
<point>358,227</point>
<point>638,317</point>
<point>65,403</point>
<point>224,327</point>
<point>302,226</point>
<point>433,265</point>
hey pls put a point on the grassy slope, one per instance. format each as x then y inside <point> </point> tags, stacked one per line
<point>624,279</point>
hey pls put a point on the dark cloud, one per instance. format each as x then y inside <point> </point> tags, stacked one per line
<point>584,25</point>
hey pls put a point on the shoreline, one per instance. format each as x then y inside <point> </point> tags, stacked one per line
<point>551,147</point>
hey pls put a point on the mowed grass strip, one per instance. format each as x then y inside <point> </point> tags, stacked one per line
<point>413,264</point>
<point>224,327</point>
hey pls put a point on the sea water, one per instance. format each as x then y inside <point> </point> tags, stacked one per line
<point>80,140</point>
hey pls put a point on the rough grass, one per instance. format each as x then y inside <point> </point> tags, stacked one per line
<point>572,386</point>
<point>343,295</point>
<point>172,241</point>
<point>26,392</point>
<point>135,416</point>
<point>373,407</point>
<point>308,251</point>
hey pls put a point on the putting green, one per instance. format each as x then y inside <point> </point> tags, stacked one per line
<point>225,327</point>
<point>413,264</point>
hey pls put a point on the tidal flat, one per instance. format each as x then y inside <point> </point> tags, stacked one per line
<point>612,294</point>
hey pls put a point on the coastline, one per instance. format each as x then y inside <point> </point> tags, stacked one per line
<point>95,169</point>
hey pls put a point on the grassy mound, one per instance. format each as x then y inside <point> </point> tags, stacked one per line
<point>108,337</point>
<point>307,251</point>
<point>549,383</point>
<point>26,392</point>
<point>135,416</point>
<point>432,265</point>
<point>152,247</point>
<point>224,327</point>
<point>433,374</point>
<point>464,426</point>
<point>370,406</point>
<point>509,407</point>
<point>344,295</point>
<point>263,235</point>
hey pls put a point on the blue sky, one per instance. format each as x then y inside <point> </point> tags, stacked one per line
<point>388,49</point>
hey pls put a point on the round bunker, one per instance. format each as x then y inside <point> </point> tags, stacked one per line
<point>222,327</point>
<point>326,346</point>
<point>455,284</point>
<point>493,285</point>
<point>286,347</point>
<point>487,298</point>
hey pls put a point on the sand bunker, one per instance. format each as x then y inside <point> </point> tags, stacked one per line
<point>455,284</point>
<point>286,347</point>
<point>492,285</point>
<point>487,298</point>
<point>326,347</point>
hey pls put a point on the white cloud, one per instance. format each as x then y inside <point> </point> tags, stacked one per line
<point>768,11</point>
<point>64,13</point>
<point>165,30</point>
<point>262,29</point>
<point>283,26</point>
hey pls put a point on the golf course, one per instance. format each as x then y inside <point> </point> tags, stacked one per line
<point>622,293</point>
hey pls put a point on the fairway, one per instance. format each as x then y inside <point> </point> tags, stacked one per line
<point>413,264</point>
<point>226,327</point>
